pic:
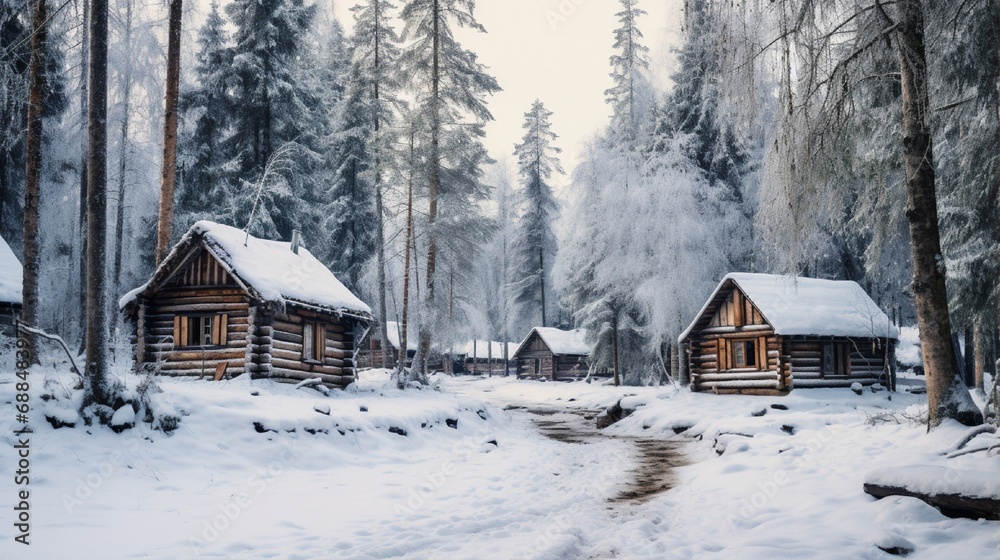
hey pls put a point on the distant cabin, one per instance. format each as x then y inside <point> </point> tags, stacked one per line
<point>223,300</point>
<point>371,356</point>
<point>11,280</point>
<point>552,353</point>
<point>760,333</point>
<point>482,356</point>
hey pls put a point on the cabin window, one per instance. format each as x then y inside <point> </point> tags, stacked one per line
<point>313,342</point>
<point>836,359</point>
<point>538,366</point>
<point>200,331</point>
<point>744,354</point>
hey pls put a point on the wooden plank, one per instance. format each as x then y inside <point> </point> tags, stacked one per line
<point>185,325</point>
<point>220,370</point>
<point>201,308</point>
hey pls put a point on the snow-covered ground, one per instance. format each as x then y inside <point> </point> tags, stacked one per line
<point>235,480</point>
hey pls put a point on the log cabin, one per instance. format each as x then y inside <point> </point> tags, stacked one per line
<point>11,282</point>
<point>767,334</point>
<point>554,354</point>
<point>371,355</point>
<point>226,302</point>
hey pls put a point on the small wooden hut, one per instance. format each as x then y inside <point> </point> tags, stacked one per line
<point>371,355</point>
<point>225,300</point>
<point>552,354</point>
<point>11,281</point>
<point>767,334</point>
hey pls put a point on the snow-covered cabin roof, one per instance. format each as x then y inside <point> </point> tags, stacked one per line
<point>483,349</point>
<point>11,275</point>
<point>560,342</point>
<point>392,331</point>
<point>806,306</point>
<point>268,270</point>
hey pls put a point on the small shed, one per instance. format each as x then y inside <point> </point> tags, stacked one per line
<point>223,299</point>
<point>768,334</point>
<point>11,281</point>
<point>553,353</point>
<point>371,356</point>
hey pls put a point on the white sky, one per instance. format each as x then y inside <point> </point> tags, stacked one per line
<point>556,51</point>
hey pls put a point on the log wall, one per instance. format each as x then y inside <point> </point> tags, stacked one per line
<point>156,327</point>
<point>277,348</point>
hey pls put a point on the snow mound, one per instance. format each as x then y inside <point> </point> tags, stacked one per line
<point>934,481</point>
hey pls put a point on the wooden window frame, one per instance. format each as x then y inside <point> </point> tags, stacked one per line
<point>314,333</point>
<point>727,354</point>
<point>187,325</point>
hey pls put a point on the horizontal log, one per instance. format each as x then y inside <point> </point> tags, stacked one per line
<point>214,354</point>
<point>739,376</point>
<point>287,337</point>
<point>207,365</point>
<point>740,384</point>
<point>200,308</point>
<point>182,291</point>
<point>285,327</point>
<point>230,371</point>
<point>181,299</point>
<point>292,373</point>
<point>301,366</point>
<point>292,377</point>
<point>800,383</point>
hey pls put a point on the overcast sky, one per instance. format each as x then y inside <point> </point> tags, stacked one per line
<point>556,51</point>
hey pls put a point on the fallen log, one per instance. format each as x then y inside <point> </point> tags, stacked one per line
<point>965,494</point>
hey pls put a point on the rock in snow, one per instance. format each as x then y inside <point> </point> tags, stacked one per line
<point>123,419</point>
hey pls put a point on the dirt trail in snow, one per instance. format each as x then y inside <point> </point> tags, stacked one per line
<point>656,459</point>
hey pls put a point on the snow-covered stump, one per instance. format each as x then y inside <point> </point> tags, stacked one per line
<point>968,494</point>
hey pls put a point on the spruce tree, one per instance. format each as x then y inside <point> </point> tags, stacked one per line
<point>273,109</point>
<point>537,160</point>
<point>207,109</point>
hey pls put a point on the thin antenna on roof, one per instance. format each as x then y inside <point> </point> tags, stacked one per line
<point>278,162</point>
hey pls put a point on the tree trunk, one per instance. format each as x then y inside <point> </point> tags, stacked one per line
<point>382,284</point>
<point>165,223</point>
<point>970,356</point>
<point>929,288</point>
<point>435,182</point>
<point>123,152</point>
<point>84,151</point>
<point>979,361</point>
<point>96,384</point>
<point>541,280</point>
<point>614,351</point>
<point>403,342</point>
<point>33,171</point>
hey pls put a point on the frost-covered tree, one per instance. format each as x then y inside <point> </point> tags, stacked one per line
<point>364,134</point>
<point>449,85</point>
<point>273,107</point>
<point>536,245</point>
<point>208,114</point>
<point>630,96</point>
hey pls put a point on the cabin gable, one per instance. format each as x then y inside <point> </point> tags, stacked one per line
<point>201,269</point>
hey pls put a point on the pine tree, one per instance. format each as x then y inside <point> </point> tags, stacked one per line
<point>14,56</point>
<point>629,96</point>
<point>273,107</point>
<point>370,106</point>
<point>208,109</point>
<point>537,160</point>
<point>351,224</point>
<point>450,84</point>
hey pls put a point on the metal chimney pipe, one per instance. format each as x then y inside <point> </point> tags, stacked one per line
<point>296,240</point>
